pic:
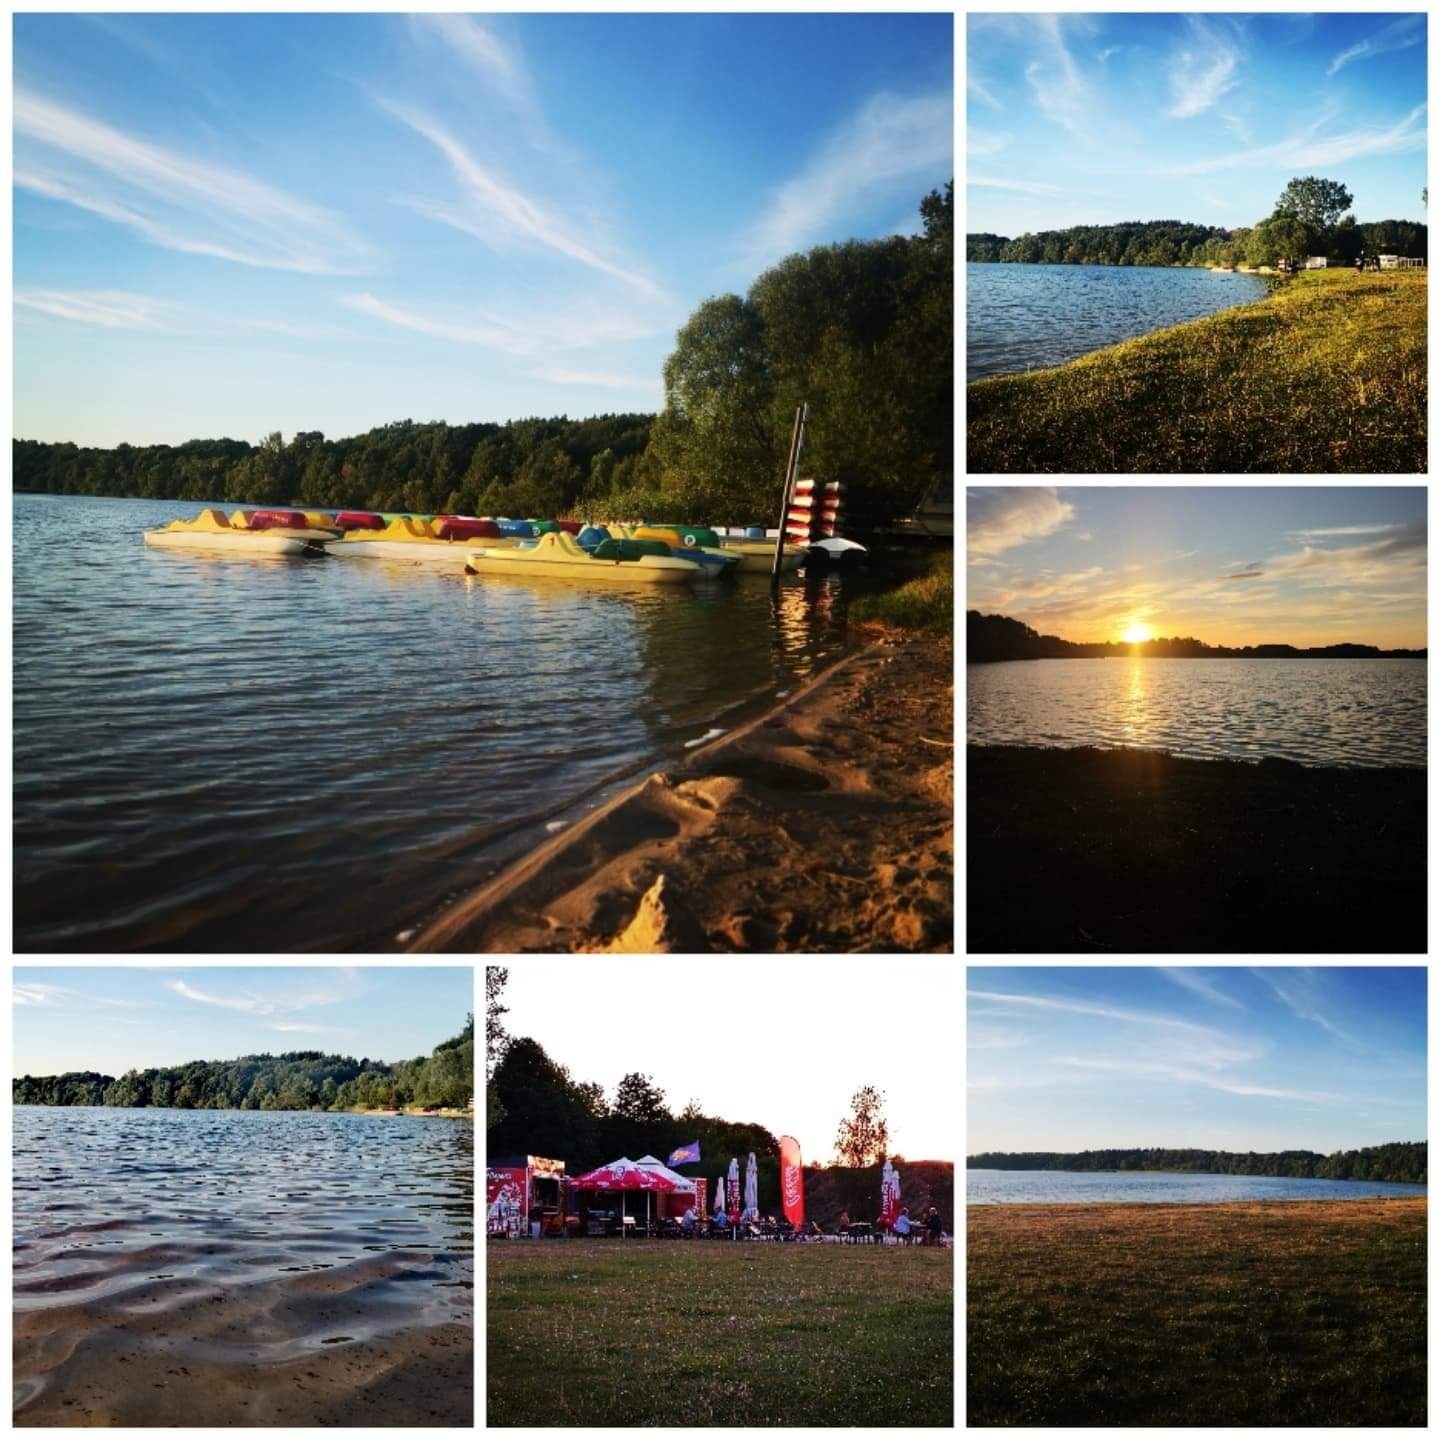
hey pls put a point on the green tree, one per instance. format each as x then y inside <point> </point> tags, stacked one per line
<point>639,1100</point>
<point>1315,203</point>
<point>864,1134</point>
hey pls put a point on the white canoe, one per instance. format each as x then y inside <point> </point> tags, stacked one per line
<point>447,553</point>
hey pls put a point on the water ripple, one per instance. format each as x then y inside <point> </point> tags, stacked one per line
<point>1314,712</point>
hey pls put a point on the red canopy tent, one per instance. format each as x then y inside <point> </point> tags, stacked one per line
<point>622,1175</point>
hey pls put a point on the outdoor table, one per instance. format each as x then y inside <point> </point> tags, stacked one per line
<point>862,1232</point>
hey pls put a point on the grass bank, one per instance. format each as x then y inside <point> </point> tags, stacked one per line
<point>1286,1313</point>
<point>1326,375</point>
<point>694,1333</point>
<point>1133,851</point>
<point>922,604</point>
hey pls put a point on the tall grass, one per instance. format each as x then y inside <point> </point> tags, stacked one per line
<point>1326,375</point>
<point>924,603</point>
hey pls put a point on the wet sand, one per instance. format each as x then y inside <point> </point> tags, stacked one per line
<point>317,1349</point>
<point>221,1267</point>
<point>1132,851</point>
<point>827,825</point>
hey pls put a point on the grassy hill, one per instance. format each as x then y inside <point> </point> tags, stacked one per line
<point>1325,376</point>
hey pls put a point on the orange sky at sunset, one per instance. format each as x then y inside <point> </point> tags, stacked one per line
<point>1227,565</point>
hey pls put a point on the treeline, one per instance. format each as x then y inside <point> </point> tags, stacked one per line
<point>297,1080</point>
<point>998,637</point>
<point>1173,242</point>
<point>1400,1161</point>
<point>863,332</point>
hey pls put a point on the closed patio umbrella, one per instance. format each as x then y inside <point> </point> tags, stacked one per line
<point>752,1189</point>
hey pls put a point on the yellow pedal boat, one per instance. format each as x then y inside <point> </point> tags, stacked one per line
<point>211,530</point>
<point>613,562</point>
<point>419,541</point>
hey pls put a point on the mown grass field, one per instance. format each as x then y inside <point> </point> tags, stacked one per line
<point>596,1332</point>
<point>1286,1313</point>
<point>1326,375</point>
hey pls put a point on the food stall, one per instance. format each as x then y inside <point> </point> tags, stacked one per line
<point>527,1196</point>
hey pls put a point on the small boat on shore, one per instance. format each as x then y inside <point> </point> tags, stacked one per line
<point>558,555</point>
<point>211,530</point>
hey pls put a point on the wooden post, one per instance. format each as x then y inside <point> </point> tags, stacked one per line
<point>792,468</point>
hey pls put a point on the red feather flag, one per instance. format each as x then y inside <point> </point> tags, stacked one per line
<point>792,1181</point>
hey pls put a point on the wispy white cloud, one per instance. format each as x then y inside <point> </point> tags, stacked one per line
<point>980,143</point>
<point>889,140</point>
<point>172,201</point>
<point>1023,187</point>
<point>128,310</point>
<point>1299,994</point>
<point>1325,533</point>
<point>61,997</point>
<point>1196,983</point>
<point>1237,126</point>
<point>1000,519</point>
<point>1164,1070</point>
<point>994,1037</point>
<point>498,66</point>
<point>1201,72</point>
<point>1055,80</point>
<point>1086,1007</point>
<point>976,87</point>
<point>1398,35</point>
<point>251,1003</point>
<point>289,1028</point>
<point>1307,147</point>
<point>529,330</point>
<point>498,213</point>
<point>605,379</point>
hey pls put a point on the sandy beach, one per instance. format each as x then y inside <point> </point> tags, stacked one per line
<point>308,1349</point>
<point>825,825</point>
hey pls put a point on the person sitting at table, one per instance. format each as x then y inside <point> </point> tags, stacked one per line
<point>934,1225</point>
<point>842,1225</point>
<point>687,1222</point>
<point>720,1223</point>
<point>902,1225</point>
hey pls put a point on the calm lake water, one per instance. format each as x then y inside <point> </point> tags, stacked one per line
<point>1022,317</point>
<point>243,1239</point>
<point>1054,1187</point>
<point>234,753</point>
<point>1315,712</point>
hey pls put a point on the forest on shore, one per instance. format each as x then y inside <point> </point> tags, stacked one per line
<point>999,637</point>
<point>1399,1161</point>
<point>862,331</point>
<point>1310,218</point>
<point>296,1080</point>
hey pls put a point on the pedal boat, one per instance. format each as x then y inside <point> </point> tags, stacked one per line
<point>692,546</point>
<point>443,541</point>
<point>557,554</point>
<point>211,530</point>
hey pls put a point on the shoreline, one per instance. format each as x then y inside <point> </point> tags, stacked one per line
<point>823,824</point>
<point>1325,374</point>
<point>1130,851</point>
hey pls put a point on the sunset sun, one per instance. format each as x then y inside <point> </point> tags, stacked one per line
<point>1136,634</point>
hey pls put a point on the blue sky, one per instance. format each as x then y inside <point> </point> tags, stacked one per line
<point>1227,1058</point>
<point>1090,119</point>
<point>117,1018</point>
<point>1230,565</point>
<point>226,225</point>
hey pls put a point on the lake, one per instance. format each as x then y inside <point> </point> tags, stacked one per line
<point>168,1263</point>
<point>1315,712</point>
<point>1068,1187</point>
<point>1023,317</point>
<point>217,752</point>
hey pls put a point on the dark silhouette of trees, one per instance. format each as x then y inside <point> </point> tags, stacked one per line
<point>1399,1161</point>
<point>864,1135</point>
<point>998,637</point>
